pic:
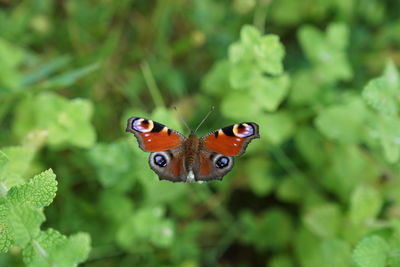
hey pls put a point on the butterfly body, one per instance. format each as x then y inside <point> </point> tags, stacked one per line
<point>178,159</point>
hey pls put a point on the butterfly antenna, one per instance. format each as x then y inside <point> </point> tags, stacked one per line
<point>182,120</point>
<point>205,118</point>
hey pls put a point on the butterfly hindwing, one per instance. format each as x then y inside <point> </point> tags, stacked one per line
<point>231,140</point>
<point>168,165</point>
<point>153,136</point>
<point>212,166</point>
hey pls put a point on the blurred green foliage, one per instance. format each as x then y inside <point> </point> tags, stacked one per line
<point>320,188</point>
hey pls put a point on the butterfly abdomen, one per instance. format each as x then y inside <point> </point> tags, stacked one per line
<point>191,150</point>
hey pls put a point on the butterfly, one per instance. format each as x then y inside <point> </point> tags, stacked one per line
<point>179,159</point>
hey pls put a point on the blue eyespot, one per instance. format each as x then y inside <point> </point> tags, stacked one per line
<point>222,162</point>
<point>160,160</point>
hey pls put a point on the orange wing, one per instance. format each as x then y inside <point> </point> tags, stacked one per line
<point>231,140</point>
<point>153,136</point>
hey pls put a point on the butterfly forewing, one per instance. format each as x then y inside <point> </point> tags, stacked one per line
<point>231,140</point>
<point>153,136</point>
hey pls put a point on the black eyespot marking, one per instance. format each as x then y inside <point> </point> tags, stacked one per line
<point>216,134</point>
<point>157,127</point>
<point>222,162</point>
<point>145,121</point>
<point>228,130</point>
<point>160,160</point>
<point>169,131</point>
<point>243,130</point>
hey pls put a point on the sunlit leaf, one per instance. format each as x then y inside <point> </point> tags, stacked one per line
<point>371,252</point>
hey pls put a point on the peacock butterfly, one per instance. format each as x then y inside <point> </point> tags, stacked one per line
<point>179,159</point>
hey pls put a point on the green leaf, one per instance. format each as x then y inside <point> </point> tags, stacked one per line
<point>67,121</point>
<point>21,214</point>
<point>365,204</point>
<point>335,252</point>
<point>269,54</point>
<point>345,122</point>
<point>382,93</point>
<point>304,90</point>
<point>278,127</point>
<point>76,250</point>
<point>38,192</point>
<point>244,76</point>
<point>270,92</point>
<point>274,224</point>
<point>309,143</point>
<point>118,167</point>
<point>239,106</point>
<point>51,248</point>
<point>37,252</point>
<point>252,57</point>
<point>249,35</point>
<point>24,222</point>
<point>314,252</point>
<point>60,120</point>
<point>292,189</point>
<point>377,95</point>
<point>164,234</point>
<point>146,226</point>
<point>240,53</point>
<point>387,131</point>
<point>260,181</point>
<point>6,239</point>
<point>216,81</point>
<point>19,159</point>
<point>327,52</point>
<point>266,51</point>
<point>323,220</point>
<point>394,242</point>
<point>109,199</point>
<point>347,166</point>
<point>371,252</point>
<point>307,248</point>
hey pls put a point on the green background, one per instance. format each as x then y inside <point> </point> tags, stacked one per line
<point>320,188</point>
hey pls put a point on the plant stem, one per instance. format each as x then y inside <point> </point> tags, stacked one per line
<point>151,84</point>
<point>260,14</point>
<point>285,161</point>
<point>39,249</point>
